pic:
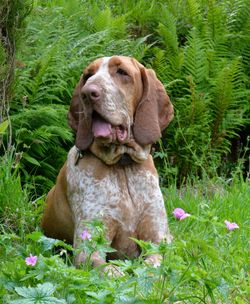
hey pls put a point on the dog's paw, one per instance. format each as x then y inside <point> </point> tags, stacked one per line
<point>154,260</point>
<point>80,259</point>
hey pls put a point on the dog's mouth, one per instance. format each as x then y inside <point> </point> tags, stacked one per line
<point>106,132</point>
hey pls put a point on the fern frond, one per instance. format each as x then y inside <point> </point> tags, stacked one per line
<point>229,101</point>
<point>103,20</point>
<point>195,59</point>
<point>216,17</point>
<point>237,15</point>
<point>193,9</point>
<point>167,31</point>
<point>43,138</point>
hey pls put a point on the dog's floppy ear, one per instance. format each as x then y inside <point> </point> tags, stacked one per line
<point>80,118</point>
<point>154,111</point>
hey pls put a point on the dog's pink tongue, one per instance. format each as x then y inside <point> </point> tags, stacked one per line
<point>101,128</point>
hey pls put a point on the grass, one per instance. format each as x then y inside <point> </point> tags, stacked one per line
<point>206,263</point>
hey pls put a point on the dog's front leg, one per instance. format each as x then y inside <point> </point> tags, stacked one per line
<point>82,234</point>
<point>95,259</point>
<point>155,230</point>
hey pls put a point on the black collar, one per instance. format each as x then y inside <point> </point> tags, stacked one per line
<point>78,156</point>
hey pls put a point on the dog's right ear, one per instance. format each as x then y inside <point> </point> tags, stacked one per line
<point>80,118</point>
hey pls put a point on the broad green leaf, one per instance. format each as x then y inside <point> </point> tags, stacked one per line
<point>43,290</point>
<point>35,235</point>
<point>38,295</point>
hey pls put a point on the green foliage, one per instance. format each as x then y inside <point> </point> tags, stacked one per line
<point>208,84</point>
<point>42,137</point>
<point>206,263</point>
<point>16,212</point>
<point>3,66</point>
<point>12,25</point>
<point>12,18</point>
<point>3,127</point>
<point>96,242</point>
<point>42,294</point>
<point>197,49</point>
<point>59,44</point>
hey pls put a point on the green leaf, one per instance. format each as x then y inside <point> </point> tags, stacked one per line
<point>44,290</point>
<point>101,295</point>
<point>3,126</point>
<point>50,243</point>
<point>34,236</point>
<point>30,159</point>
<point>38,295</point>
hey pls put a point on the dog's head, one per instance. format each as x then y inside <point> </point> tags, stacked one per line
<point>117,99</point>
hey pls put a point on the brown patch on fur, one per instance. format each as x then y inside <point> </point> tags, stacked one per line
<point>57,221</point>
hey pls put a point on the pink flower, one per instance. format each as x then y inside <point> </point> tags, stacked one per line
<point>85,235</point>
<point>180,214</point>
<point>31,260</point>
<point>231,226</point>
<point>184,216</point>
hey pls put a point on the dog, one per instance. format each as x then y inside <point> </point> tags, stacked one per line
<point>118,110</point>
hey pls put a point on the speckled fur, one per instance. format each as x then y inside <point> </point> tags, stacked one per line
<point>128,197</point>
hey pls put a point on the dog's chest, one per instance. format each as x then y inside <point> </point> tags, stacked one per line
<point>124,194</point>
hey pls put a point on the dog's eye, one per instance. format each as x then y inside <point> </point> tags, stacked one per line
<point>87,76</point>
<point>121,72</point>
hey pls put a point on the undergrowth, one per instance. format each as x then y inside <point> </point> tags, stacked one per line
<point>206,263</point>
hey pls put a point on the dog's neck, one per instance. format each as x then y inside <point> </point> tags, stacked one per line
<point>123,155</point>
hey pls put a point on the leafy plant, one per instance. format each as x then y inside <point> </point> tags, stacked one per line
<point>42,294</point>
<point>206,81</point>
<point>12,25</point>
<point>13,198</point>
<point>93,240</point>
<point>187,44</point>
<point>205,262</point>
<point>42,137</point>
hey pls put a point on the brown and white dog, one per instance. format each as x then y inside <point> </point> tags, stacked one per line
<point>118,110</point>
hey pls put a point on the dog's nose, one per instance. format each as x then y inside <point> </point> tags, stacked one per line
<point>92,92</point>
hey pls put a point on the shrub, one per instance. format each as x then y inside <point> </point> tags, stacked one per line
<point>192,47</point>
